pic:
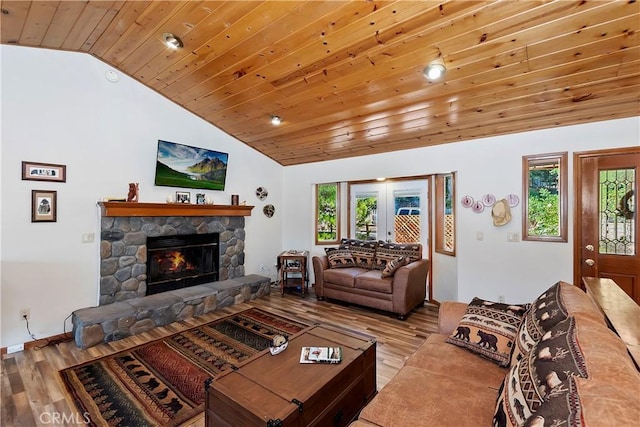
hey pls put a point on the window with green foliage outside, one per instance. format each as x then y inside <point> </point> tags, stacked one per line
<point>366,217</point>
<point>545,197</point>
<point>327,213</point>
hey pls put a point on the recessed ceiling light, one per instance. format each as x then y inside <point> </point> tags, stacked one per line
<point>435,70</point>
<point>276,120</point>
<point>172,40</point>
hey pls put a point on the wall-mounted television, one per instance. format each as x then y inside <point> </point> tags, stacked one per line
<point>179,165</point>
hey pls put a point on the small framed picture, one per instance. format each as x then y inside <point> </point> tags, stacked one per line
<point>44,205</point>
<point>44,172</point>
<point>200,199</point>
<point>183,197</point>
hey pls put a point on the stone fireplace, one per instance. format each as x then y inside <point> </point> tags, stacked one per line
<point>130,233</point>
<point>124,250</point>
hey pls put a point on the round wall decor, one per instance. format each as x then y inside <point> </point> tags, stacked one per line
<point>513,200</point>
<point>477,207</point>
<point>268,211</point>
<point>489,199</point>
<point>261,193</point>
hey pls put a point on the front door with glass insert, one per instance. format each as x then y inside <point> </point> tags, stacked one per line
<point>607,218</point>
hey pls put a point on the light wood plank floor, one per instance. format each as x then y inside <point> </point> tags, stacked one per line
<point>31,387</point>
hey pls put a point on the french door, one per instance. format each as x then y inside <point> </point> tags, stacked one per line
<point>607,234</point>
<point>394,211</point>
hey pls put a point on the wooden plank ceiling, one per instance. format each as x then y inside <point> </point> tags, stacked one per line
<point>346,76</point>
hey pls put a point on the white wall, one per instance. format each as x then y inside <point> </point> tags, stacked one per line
<point>57,107</point>
<point>489,268</point>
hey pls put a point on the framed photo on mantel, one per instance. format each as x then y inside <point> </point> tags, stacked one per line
<point>33,171</point>
<point>44,206</point>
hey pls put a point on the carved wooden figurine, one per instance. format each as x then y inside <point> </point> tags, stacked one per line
<point>133,192</point>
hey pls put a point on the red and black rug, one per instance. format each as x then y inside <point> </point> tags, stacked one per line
<point>162,383</point>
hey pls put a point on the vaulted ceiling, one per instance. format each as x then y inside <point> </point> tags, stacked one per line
<point>346,77</point>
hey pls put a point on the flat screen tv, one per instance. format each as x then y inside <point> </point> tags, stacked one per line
<point>179,165</point>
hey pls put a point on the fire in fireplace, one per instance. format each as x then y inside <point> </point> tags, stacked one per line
<point>175,262</point>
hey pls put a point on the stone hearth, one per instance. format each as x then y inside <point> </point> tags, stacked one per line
<point>102,324</point>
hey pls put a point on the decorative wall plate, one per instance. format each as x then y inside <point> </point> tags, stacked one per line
<point>489,199</point>
<point>478,207</point>
<point>261,193</point>
<point>467,201</point>
<point>513,200</point>
<point>268,211</point>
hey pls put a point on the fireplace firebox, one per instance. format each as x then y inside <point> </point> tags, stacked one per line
<point>175,262</point>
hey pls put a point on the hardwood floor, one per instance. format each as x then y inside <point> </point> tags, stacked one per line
<point>32,393</point>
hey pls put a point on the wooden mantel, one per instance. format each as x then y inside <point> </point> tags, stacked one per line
<point>171,209</point>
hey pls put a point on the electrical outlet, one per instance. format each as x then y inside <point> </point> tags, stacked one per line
<point>15,348</point>
<point>501,298</point>
<point>25,314</point>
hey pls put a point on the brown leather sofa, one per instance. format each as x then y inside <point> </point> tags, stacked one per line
<point>445,385</point>
<point>398,294</point>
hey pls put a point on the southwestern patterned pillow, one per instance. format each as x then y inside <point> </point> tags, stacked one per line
<point>533,379</point>
<point>560,408</point>
<point>393,266</point>
<point>489,328</point>
<point>363,252</point>
<point>386,252</point>
<point>339,258</point>
<point>545,312</point>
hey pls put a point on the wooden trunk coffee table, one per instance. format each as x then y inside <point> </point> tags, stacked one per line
<point>277,390</point>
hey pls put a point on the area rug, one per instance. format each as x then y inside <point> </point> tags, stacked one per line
<point>162,383</point>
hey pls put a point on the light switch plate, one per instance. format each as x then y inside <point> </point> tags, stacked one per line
<point>88,238</point>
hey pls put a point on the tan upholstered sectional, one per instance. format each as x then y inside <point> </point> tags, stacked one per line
<point>445,385</point>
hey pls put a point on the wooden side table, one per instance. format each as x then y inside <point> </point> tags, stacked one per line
<point>293,262</point>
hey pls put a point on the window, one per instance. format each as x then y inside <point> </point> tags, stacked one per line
<point>544,189</point>
<point>445,214</point>
<point>616,215</point>
<point>327,213</point>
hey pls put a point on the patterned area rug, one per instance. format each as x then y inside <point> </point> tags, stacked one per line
<point>162,383</point>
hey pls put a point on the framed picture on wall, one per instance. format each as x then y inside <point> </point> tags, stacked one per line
<point>44,206</point>
<point>183,197</point>
<point>33,171</point>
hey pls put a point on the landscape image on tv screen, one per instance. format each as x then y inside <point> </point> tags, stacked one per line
<point>184,166</point>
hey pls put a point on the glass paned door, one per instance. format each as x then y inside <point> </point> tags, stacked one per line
<point>407,205</point>
<point>607,204</point>
<point>394,212</point>
<point>365,217</point>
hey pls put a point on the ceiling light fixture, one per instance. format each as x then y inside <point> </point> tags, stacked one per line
<point>172,40</point>
<point>276,120</point>
<point>435,70</point>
